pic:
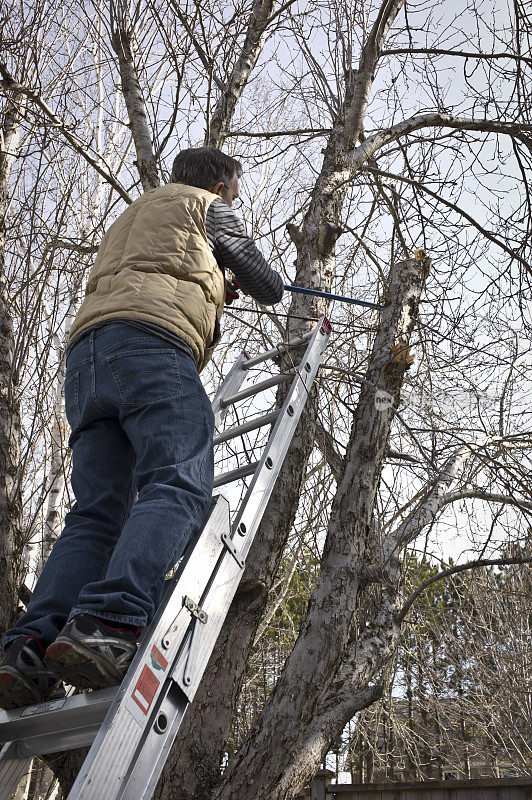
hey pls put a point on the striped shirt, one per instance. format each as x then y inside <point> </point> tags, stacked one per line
<point>236,252</point>
<point>233,251</point>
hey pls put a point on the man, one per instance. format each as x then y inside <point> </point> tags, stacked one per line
<point>142,427</point>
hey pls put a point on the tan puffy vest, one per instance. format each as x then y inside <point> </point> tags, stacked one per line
<point>155,264</point>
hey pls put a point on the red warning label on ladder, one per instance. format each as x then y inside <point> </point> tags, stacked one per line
<point>145,689</point>
<point>141,698</point>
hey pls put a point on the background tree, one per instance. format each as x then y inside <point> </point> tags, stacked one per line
<point>459,688</point>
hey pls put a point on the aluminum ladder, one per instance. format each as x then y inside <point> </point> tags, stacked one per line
<point>132,726</point>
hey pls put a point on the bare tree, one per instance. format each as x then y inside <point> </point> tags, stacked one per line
<point>418,410</point>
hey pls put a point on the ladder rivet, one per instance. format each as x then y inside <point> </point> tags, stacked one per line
<point>187,680</point>
<point>308,367</point>
<point>242,529</point>
<point>290,411</point>
<point>268,463</point>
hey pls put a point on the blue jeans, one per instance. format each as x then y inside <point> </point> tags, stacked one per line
<point>142,476</point>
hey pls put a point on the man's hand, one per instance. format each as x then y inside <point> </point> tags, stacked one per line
<point>231,292</point>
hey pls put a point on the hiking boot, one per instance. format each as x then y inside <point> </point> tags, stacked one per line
<point>92,654</point>
<point>24,678</point>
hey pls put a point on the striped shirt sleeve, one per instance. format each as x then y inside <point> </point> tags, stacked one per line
<point>235,251</point>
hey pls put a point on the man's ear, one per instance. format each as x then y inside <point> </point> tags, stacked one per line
<point>216,188</point>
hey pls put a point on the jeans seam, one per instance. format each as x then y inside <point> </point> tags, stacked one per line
<point>93,376</point>
<point>77,610</point>
<point>77,417</point>
<point>137,352</point>
<point>71,364</point>
<point>122,342</point>
<point>183,538</point>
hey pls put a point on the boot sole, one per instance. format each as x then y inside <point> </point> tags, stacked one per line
<point>80,666</point>
<point>16,692</point>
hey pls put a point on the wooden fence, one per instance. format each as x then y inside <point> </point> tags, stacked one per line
<point>481,789</point>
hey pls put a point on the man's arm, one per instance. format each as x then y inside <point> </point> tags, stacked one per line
<point>235,251</point>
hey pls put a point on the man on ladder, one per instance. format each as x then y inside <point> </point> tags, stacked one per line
<point>142,427</point>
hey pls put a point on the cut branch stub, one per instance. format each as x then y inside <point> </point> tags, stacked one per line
<point>401,355</point>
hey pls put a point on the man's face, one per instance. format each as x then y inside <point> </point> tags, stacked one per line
<point>228,191</point>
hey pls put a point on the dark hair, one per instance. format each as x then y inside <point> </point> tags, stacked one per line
<point>203,167</point>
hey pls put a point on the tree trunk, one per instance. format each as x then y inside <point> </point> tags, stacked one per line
<point>10,423</point>
<point>136,108</point>
<point>194,766</point>
<point>319,691</point>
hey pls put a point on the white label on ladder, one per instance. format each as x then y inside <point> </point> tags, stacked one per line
<point>140,701</point>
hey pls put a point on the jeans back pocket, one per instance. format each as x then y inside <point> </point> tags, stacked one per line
<point>145,376</point>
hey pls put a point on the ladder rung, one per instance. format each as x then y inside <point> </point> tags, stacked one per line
<point>235,474</point>
<point>238,430</point>
<point>258,387</point>
<point>51,726</point>
<point>276,351</point>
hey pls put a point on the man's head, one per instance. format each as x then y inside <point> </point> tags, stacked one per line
<point>208,168</point>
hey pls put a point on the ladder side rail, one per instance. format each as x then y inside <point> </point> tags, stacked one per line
<point>254,503</point>
<point>144,772</point>
<point>192,661</point>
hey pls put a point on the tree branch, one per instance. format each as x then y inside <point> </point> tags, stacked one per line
<point>436,51</point>
<point>364,76</point>
<point>492,498</point>
<point>426,510</point>
<point>453,571</point>
<point>375,141</point>
<point>260,19</point>
<point>8,82</point>
<point>209,67</point>
<point>273,134</point>
<point>136,108</point>
<point>458,210</point>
